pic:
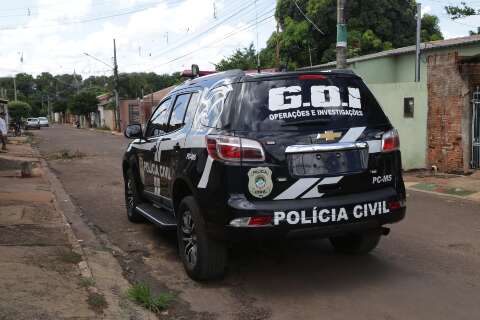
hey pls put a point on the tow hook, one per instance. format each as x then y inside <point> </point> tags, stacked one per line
<point>385,231</point>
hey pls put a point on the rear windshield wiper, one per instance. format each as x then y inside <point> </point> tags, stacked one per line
<point>305,122</point>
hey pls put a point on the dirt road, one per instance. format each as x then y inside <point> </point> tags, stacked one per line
<point>427,268</point>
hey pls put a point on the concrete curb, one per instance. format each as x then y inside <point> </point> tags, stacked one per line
<point>85,243</point>
<point>473,197</point>
<point>113,133</point>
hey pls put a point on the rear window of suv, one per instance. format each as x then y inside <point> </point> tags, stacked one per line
<point>304,101</point>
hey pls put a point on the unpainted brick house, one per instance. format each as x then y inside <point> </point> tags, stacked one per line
<point>452,80</point>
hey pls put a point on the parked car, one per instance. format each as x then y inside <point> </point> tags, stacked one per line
<point>235,156</point>
<point>32,123</point>
<point>43,121</point>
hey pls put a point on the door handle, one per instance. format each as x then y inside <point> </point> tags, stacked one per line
<point>165,139</point>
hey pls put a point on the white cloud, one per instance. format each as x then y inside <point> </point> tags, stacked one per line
<point>426,10</point>
<point>141,37</point>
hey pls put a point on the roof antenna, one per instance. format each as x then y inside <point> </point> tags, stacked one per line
<point>256,27</point>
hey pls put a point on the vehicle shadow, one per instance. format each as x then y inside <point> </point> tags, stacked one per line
<point>306,263</point>
<point>299,266</point>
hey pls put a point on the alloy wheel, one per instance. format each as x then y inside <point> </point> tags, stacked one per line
<point>189,238</point>
<point>130,194</point>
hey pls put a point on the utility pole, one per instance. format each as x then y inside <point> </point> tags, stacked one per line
<point>256,27</point>
<point>14,88</point>
<point>341,35</point>
<point>49,110</point>
<point>117,98</point>
<point>277,50</point>
<point>417,51</point>
<point>310,55</point>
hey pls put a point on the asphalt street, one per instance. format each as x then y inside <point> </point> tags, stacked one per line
<point>427,268</point>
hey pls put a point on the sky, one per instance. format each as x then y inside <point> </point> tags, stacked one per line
<point>163,36</point>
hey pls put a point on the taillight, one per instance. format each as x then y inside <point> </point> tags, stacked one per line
<point>311,77</point>
<point>390,141</point>
<point>234,149</point>
<point>394,205</point>
<point>256,221</point>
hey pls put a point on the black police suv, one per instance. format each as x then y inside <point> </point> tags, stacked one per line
<point>235,156</point>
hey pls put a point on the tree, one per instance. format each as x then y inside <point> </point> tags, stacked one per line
<point>463,11</point>
<point>430,28</point>
<point>61,107</point>
<point>473,33</point>
<point>243,59</point>
<point>45,88</point>
<point>25,84</point>
<point>84,104</point>
<point>458,12</point>
<point>373,26</point>
<point>18,110</point>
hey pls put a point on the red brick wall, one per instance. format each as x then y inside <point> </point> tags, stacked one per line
<point>445,110</point>
<point>124,112</point>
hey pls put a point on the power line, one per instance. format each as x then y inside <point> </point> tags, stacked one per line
<point>191,39</point>
<point>205,31</point>
<point>308,19</point>
<point>97,3</point>
<point>144,8</point>
<point>223,39</point>
<point>197,33</point>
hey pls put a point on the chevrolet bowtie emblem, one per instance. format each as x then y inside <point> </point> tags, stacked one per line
<point>329,135</point>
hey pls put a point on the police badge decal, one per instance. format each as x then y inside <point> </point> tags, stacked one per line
<point>260,182</point>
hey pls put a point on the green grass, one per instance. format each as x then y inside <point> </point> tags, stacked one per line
<point>97,302</point>
<point>447,190</point>
<point>87,282</point>
<point>104,128</point>
<point>69,257</point>
<point>141,294</point>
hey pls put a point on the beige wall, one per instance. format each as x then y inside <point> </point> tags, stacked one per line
<point>413,131</point>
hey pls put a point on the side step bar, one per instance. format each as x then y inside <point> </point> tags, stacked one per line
<point>161,218</point>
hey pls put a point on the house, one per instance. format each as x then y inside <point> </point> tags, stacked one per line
<point>105,115</point>
<point>433,116</point>
<point>140,110</point>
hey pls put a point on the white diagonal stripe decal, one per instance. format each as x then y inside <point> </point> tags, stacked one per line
<point>313,193</point>
<point>206,173</point>
<point>374,146</point>
<point>331,180</point>
<point>353,134</point>
<point>297,188</point>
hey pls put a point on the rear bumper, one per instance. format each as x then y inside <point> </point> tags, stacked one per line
<point>315,231</point>
<point>322,217</point>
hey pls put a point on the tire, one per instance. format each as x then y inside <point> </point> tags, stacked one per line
<point>203,257</point>
<point>356,243</point>
<point>132,198</point>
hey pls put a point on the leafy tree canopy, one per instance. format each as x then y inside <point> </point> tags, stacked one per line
<point>462,11</point>
<point>18,110</point>
<point>60,106</point>
<point>373,26</point>
<point>244,59</point>
<point>430,28</point>
<point>84,103</point>
<point>46,89</point>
